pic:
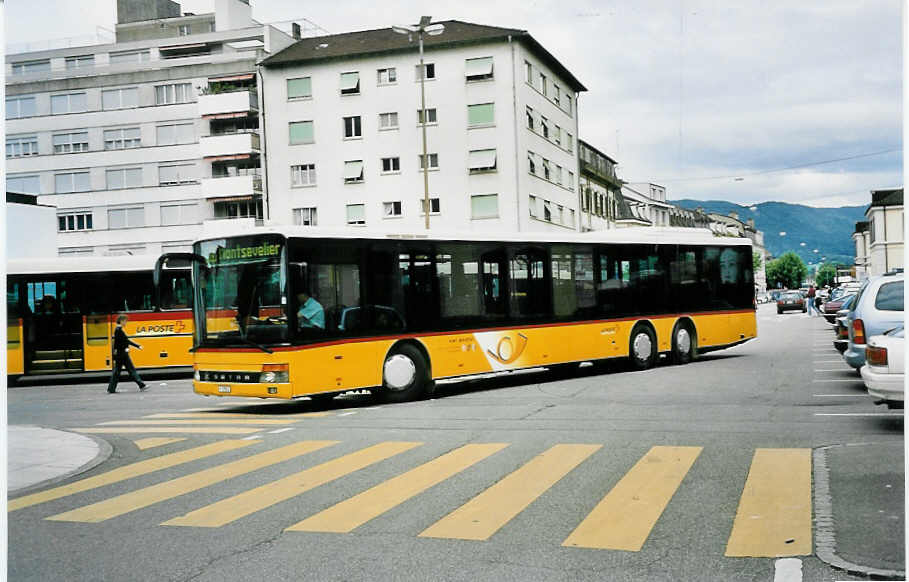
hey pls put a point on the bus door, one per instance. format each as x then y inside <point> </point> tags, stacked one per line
<point>15,330</point>
<point>98,331</point>
<point>56,328</point>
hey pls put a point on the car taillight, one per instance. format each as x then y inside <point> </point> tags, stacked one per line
<point>876,356</point>
<point>842,333</point>
<point>858,331</point>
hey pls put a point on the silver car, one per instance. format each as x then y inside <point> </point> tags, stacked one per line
<point>877,308</point>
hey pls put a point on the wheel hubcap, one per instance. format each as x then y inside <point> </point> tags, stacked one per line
<point>400,372</point>
<point>683,341</point>
<point>642,346</point>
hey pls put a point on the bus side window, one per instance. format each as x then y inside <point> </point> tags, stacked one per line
<point>492,273</point>
<point>530,284</point>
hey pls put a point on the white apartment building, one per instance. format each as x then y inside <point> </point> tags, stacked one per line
<point>886,224</point>
<point>137,142</point>
<point>648,201</point>
<point>862,239</point>
<point>343,122</point>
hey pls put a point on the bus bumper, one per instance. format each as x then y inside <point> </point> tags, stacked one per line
<point>249,390</point>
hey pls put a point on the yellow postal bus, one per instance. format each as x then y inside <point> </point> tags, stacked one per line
<point>61,314</point>
<point>297,311</point>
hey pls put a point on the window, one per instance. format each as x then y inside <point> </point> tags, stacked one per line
<point>72,182</point>
<point>484,206</point>
<point>434,206</point>
<point>388,121</point>
<point>174,214</point>
<point>479,69</point>
<point>481,161</point>
<point>544,127</point>
<point>558,174</point>
<point>67,143</point>
<point>546,170</point>
<point>481,114</point>
<point>890,297</point>
<point>120,98</point>
<point>22,146</point>
<point>353,172</point>
<point>433,161</point>
<point>175,93</point>
<point>352,127</point>
<point>124,178</point>
<point>126,217</point>
<point>23,184</point>
<point>356,214</point>
<point>386,76</point>
<point>568,142</point>
<point>30,67</point>
<point>303,175</point>
<point>17,107</point>
<point>70,103</point>
<point>121,139</point>
<point>531,163</point>
<point>543,88</point>
<point>184,30</point>
<point>301,132</point>
<point>530,284</point>
<point>571,180</point>
<point>129,57</point>
<point>430,116</point>
<point>172,174</point>
<point>547,211</point>
<point>391,165</point>
<point>239,209</point>
<point>74,221</point>
<point>555,93</point>
<point>80,62</point>
<point>300,88</point>
<point>430,71</point>
<point>557,135</point>
<point>568,104</point>
<point>175,134</point>
<point>528,73</point>
<point>305,216</point>
<point>350,83</point>
<point>532,205</point>
<point>391,209</point>
<point>530,119</point>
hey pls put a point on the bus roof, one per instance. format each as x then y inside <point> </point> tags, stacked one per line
<point>39,266</point>
<point>642,235</point>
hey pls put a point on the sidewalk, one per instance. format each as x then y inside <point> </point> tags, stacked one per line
<point>44,456</point>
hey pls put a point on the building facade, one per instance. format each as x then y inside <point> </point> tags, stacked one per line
<point>30,228</point>
<point>886,224</point>
<point>862,239</point>
<point>344,124</point>
<point>138,142</point>
<point>648,201</point>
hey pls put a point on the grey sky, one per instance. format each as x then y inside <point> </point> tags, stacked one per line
<point>709,98</point>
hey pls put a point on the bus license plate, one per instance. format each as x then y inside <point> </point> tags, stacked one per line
<point>223,389</point>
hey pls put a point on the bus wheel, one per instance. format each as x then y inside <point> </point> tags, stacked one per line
<point>322,398</point>
<point>405,375</point>
<point>642,348</point>
<point>683,344</point>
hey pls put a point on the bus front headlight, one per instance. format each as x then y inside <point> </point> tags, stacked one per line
<point>275,374</point>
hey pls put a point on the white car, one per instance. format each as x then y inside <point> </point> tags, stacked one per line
<point>884,369</point>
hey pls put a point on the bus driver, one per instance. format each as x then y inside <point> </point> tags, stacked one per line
<point>311,313</point>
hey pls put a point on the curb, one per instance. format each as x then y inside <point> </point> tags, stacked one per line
<point>104,452</point>
<point>825,532</point>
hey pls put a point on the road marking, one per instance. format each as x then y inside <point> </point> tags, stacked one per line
<point>787,570</point>
<point>152,442</point>
<point>127,472</point>
<point>489,511</point>
<point>354,512</point>
<point>280,430</point>
<point>160,429</point>
<point>774,514</point>
<point>231,509</point>
<point>346,413</point>
<point>196,422</point>
<point>858,413</point>
<point>252,437</point>
<point>625,516</point>
<point>128,502</point>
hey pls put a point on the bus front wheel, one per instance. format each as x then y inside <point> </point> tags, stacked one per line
<point>405,375</point>
<point>642,348</point>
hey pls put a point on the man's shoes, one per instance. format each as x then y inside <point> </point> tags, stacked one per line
<point>109,391</point>
<point>143,387</point>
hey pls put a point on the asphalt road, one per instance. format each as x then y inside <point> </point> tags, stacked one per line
<point>537,465</point>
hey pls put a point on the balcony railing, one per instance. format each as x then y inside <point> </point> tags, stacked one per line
<point>217,187</point>
<point>231,144</point>
<point>241,101</point>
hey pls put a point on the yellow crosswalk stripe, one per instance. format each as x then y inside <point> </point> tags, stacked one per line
<point>167,429</point>
<point>354,512</point>
<point>128,502</point>
<point>774,515</point>
<point>488,512</point>
<point>206,421</point>
<point>625,516</point>
<point>248,502</point>
<point>127,472</point>
<point>153,442</point>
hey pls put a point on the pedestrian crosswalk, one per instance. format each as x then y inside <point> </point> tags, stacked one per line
<point>200,421</point>
<point>773,518</point>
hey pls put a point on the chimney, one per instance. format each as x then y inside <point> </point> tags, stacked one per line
<point>734,214</point>
<point>295,30</point>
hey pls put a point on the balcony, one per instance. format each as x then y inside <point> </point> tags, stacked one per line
<point>231,186</point>
<point>234,103</point>
<point>229,146</point>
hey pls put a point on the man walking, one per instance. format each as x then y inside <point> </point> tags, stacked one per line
<point>121,358</point>
<point>811,306</point>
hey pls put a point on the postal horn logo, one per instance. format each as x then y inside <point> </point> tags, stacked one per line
<point>508,350</point>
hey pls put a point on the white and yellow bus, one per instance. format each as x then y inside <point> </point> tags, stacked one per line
<point>61,314</point>
<point>399,312</point>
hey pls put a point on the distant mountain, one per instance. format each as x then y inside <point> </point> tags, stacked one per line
<point>829,230</point>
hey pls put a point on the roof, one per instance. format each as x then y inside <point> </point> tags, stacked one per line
<point>99,264</point>
<point>350,45</point>
<point>862,226</point>
<point>889,197</point>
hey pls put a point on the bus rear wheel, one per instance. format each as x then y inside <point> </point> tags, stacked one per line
<point>405,375</point>
<point>683,343</point>
<point>642,349</point>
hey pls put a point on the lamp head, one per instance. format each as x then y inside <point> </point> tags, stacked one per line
<point>435,29</point>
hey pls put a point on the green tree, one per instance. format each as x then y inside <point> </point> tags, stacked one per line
<point>788,271</point>
<point>826,274</point>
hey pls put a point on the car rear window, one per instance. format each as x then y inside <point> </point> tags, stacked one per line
<point>890,297</point>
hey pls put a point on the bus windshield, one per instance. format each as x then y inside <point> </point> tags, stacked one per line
<point>242,297</point>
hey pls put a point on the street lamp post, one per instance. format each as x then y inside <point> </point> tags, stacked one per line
<point>424,27</point>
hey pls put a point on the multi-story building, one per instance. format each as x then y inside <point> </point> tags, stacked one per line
<point>648,201</point>
<point>139,141</point>
<point>886,223</point>
<point>862,239</point>
<point>602,204</point>
<point>344,123</point>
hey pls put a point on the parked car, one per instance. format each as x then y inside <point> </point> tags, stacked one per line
<point>762,297</point>
<point>775,294</point>
<point>884,369</point>
<point>877,308</point>
<point>831,307</point>
<point>791,300</point>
